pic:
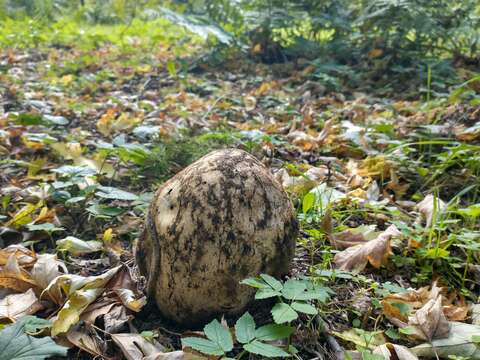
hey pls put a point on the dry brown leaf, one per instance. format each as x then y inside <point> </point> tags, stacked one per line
<point>416,299</point>
<point>47,268</point>
<point>136,347</point>
<point>175,355</point>
<point>455,313</point>
<point>86,339</point>
<point>25,257</point>
<point>15,306</point>
<point>429,322</point>
<point>116,318</point>
<point>375,252</point>
<point>394,351</point>
<point>346,239</point>
<point>431,207</point>
<point>14,278</point>
<point>97,309</point>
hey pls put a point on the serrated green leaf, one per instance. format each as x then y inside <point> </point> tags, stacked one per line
<point>108,192</point>
<point>293,288</point>
<point>283,313</point>
<point>105,211</point>
<point>203,345</point>
<point>272,282</point>
<point>219,334</point>
<point>255,283</point>
<point>33,324</point>
<point>321,294</point>
<point>267,350</point>
<point>245,328</point>
<point>266,293</point>
<point>272,332</point>
<point>304,308</point>
<point>16,345</point>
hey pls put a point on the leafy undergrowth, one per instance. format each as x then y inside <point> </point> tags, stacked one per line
<point>386,191</point>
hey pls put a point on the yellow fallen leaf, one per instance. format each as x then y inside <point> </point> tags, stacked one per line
<point>79,292</point>
<point>24,215</point>
<point>129,299</point>
<point>375,53</point>
<point>73,308</point>
<point>374,166</point>
<point>108,124</point>
<point>66,79</point>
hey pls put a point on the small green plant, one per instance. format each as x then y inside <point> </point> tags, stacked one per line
<point>219,340</point>
<point>294,296</point>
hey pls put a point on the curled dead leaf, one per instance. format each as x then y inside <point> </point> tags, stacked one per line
<point>14,306</point>
<point>135,346</point>
<point>375,252</point>
<point>431,207</point>
<point>429,322</point>
<point>15,278</point>
<point>394,351</point>
<point>25,257</point>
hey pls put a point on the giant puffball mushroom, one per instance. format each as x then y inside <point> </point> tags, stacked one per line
<point>220,220</point>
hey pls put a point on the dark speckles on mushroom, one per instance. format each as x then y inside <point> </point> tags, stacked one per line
<point>230,220</point>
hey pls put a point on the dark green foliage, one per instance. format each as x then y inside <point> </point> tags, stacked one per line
<point>170,156</point>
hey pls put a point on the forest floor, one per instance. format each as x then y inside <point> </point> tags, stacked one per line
<point>386,191</point>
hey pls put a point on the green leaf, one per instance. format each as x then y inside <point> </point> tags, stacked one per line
<point>436,253</point>
<point>105,211</point>
<point>33,324</point>
<point>16,345</point>
<point>367,355</point>
<point>293,288</point>
<point>304,308</point>
<point>266,293</point>
<point>55,120</point>
<point>109,192</point>
<point>272,332</point>
<point>48,227</point>
<point>283,313</point>
<point>315,292</point>
<point>203,345</point>
<point>219,334</point>
<point>255,283</point>
<point>267,350</point>
<point>70,170</point>
<point>171,68</point>
<point>245,328</point>
<point>27,119</point>
<point>272,282</point>
<point>308,202</point>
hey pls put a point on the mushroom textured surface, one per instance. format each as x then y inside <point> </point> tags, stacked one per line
<point>218,221</point>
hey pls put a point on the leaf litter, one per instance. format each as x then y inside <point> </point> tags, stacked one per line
<point>385,192</point>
